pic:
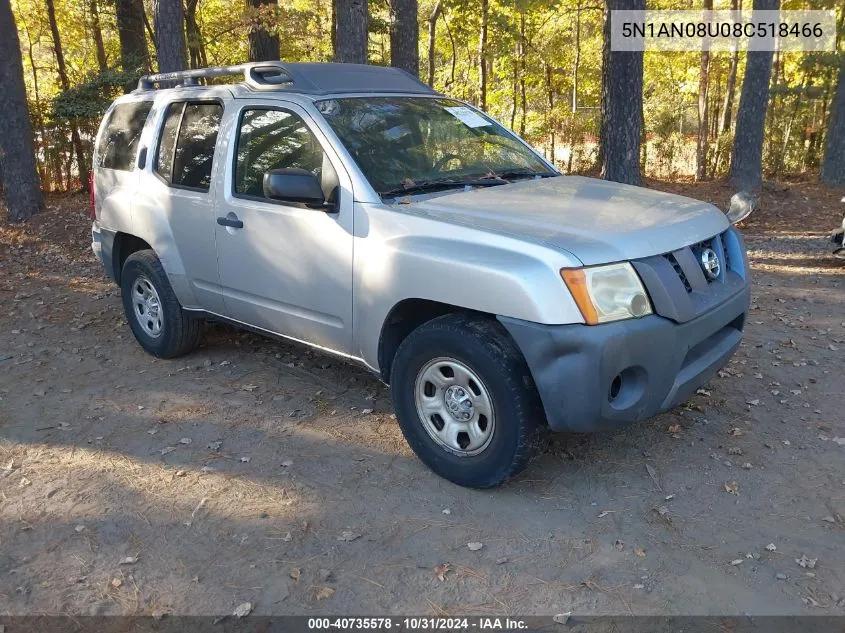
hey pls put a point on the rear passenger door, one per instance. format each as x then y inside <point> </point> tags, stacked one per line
<point>179,182</point>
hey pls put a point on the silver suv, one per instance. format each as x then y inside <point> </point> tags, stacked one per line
<point>353,209</point>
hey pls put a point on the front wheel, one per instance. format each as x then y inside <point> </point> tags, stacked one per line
<point>465,400</point>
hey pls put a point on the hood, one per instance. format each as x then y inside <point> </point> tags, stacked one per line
<point>595,220</point>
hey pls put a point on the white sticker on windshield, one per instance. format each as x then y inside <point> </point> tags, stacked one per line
<point>467,116</point>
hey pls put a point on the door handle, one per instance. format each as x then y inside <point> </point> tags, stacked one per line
<point>234,222</point>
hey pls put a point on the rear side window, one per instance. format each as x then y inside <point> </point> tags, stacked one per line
<point>119,143</point>
<point>185,154</point>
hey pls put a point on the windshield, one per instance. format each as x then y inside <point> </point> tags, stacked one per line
<point>403,143</point>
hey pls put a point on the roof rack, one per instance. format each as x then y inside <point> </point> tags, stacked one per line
<point>309,78</point>
<point>260,75</point>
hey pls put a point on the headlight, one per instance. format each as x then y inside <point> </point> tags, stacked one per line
<point>607,293</point>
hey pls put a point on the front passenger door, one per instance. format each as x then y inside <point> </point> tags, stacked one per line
<point>285,267</point>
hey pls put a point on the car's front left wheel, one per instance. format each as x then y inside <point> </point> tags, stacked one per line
<point>465,400</point>
<point>155,316</point>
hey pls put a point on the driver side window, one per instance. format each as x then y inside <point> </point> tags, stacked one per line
<point>273,139</point>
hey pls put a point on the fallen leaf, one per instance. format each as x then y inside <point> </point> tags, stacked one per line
<point>128,560</point>
<point>348,536</point>
<point>242,610</point>
<point>116,583</point>
<point>640,552</point>
<point>325,592</point>
<point>736,432</point>
<point>475,546</point>
<point>442,570</point>
<point>249,388</point>
<point>732,487</point>
<point>674,428</point>
<point>652,472</point>
<point>295,573</point>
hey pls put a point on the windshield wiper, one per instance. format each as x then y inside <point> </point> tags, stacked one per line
<point>439,184</point>
<point>513,174</point>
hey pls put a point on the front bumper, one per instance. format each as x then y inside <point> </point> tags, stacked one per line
<point>592,378</point>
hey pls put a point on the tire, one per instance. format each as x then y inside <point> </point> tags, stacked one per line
<point>167,332</point>
<point>475,350</point>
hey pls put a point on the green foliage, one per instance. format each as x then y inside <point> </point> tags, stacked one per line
<point>532,50</point>
<point>90,98</point>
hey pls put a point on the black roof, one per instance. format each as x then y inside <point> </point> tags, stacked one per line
<point>306,78</point>
<point>333,78</point>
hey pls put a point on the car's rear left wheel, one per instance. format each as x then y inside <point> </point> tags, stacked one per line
<point>155,316</point>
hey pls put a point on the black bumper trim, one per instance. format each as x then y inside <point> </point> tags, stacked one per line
<point>660,363</point>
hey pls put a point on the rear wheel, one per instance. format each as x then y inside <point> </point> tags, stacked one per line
<point>465,400</point>
<point>155,316</point>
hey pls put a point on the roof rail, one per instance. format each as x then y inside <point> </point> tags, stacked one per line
<point>259,75</point>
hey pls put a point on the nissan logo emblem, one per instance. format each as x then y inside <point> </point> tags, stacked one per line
<point>710,263</point>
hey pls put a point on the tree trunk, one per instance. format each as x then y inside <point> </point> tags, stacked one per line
<point>833,166</point>
<point>134,55</point>
<point>730,88</point>
<point>196,49</point>
<point>405,36</point>
<point>61,69</point>
<point>432,35</point>
<point>621,105</point>
<point>747,158</point>
<point>351,34</point>
<point>97,34</point>
<point>523,100</point>
<point>482,57</point>
<point>703,114</point>
<point>550,98</point>
<point>169,21</point>
<point>263,45</point>
<point>18,175</point>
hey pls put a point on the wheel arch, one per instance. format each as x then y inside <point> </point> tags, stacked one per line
<point>124,245</point>
<point>403,318</point>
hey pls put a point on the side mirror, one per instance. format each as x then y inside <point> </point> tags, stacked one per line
<point>294,185</point>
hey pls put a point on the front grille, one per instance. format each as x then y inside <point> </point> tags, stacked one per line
<point>677,284</point>
<point>681,275</point>
<point>723,238</point>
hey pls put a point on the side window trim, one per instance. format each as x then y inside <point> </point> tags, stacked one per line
<point>160,135</point>
<point>232,181</point>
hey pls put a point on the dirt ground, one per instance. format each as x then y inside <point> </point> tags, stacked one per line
<point>257,471</point>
